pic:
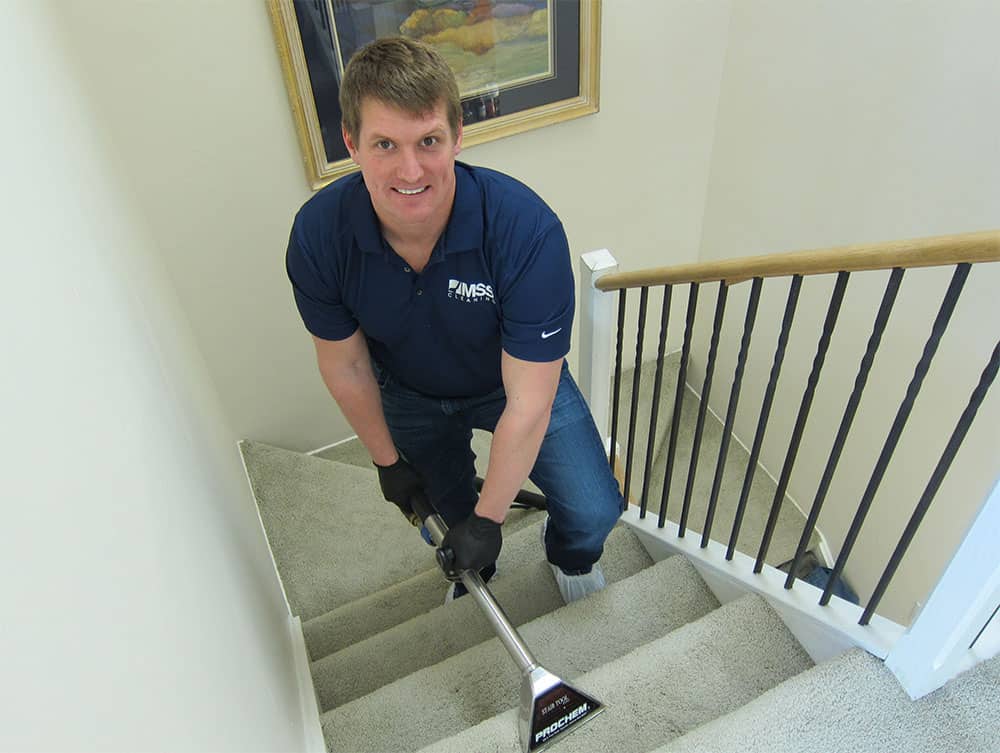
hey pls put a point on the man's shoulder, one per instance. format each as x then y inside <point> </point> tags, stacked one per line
<point>506,200</point>
<point>327,208</point>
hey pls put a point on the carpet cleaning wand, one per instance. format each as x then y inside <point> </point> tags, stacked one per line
<point>549,706</point>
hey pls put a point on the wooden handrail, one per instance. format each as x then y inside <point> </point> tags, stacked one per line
<point>921,252</point>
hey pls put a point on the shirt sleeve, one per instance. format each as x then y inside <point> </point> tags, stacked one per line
<point>317,292</point>
<point>538,298</point>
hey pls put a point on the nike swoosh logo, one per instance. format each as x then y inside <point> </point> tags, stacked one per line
<point>547,335</point>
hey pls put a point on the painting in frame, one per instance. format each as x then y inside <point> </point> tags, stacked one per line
<point>520,64</point>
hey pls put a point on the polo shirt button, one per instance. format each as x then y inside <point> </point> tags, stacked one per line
<point>420,291</point>
<point>406,269</point>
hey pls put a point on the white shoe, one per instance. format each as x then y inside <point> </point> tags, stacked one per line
<point>575,587</point>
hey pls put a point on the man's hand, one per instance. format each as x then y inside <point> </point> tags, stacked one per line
<point>475,541</point>
<point>400,482</point>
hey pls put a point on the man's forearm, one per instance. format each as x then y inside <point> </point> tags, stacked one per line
<point>357,394</point>
<point>513,452</point>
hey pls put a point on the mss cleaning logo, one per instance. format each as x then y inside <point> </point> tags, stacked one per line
<point>470,292</point>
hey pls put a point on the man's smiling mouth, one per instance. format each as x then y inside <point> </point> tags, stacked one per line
<point>411,191</point>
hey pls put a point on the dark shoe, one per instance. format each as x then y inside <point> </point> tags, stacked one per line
<point>457,589</point>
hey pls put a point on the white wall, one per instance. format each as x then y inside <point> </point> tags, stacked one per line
<point>859,122</point>
<point>191,95</point>
<point>140,609</point>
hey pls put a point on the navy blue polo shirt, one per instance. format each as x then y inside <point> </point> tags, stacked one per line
<point>499,278</point>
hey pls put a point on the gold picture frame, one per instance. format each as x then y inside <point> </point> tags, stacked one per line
<point>312,50</point>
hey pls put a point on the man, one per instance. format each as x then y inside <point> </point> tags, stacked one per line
<point>440,299</point>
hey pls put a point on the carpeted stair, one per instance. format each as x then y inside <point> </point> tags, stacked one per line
<point>396,669</point>
<point>853,704</point>
<point>525,586</point>
<point>667,686</point>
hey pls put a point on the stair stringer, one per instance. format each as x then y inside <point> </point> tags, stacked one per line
<point>824,632</point>
<point>308,701</point>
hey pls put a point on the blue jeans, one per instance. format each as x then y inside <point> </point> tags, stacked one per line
<point>571,470</point>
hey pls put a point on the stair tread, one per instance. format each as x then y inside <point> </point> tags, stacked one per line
<point>853,703</point>
<point>526,593</point>
<point>464,689</point>
<point>323,520</point>
<point>669,685</point>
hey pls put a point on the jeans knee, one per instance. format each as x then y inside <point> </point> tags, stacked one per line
<point>599,524</point>
<point>456,504</point>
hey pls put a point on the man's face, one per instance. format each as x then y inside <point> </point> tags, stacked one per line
<point>408,164</point>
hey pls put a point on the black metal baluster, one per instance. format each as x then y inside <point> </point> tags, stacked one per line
<point>765,410</point>
<point>734,399</point>
<point>983,628</point>
<point>881,320</point>
<point>675,421</point>
<point>615,397</point>
<point>657,383</point>
<point>832,312</point>
<point>639,337</point>
<point>930,348</point>
<point>957,437</point>
<point>706,391</point>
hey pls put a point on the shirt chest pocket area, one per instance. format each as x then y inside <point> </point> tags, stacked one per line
<point>385,308</point>
<point>427,305</point>
<point>470,307</point>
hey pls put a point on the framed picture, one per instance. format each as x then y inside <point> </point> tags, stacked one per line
<point>520,64</point>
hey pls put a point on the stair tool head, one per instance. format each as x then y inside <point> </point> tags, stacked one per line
<point>550,707</point>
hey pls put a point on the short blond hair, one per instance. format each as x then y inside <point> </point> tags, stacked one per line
<point>406,73</point>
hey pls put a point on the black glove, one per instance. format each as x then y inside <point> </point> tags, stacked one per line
<point>475,542</point>
<point>400,482</point>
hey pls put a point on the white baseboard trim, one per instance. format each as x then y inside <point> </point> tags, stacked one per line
<point>312,730</point>
<point>824,632</point>
<point>331,446</point>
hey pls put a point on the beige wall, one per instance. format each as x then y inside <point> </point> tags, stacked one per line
<point>192,99</point>
<point>847,123</point>
<point>141,610</point>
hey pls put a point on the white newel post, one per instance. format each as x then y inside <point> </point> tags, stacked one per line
<point>936,646</point>
<point>598,316</point>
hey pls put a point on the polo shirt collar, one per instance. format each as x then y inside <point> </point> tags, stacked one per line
<point>463,232</point>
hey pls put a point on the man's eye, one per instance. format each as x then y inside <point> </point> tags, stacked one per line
<point>384,144</point>
<point>429,140</point>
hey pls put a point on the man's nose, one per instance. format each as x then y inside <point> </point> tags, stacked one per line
<point>409,167</point>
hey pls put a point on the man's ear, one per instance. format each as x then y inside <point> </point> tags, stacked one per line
<point>349,143</point>
<point>458,140</point>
